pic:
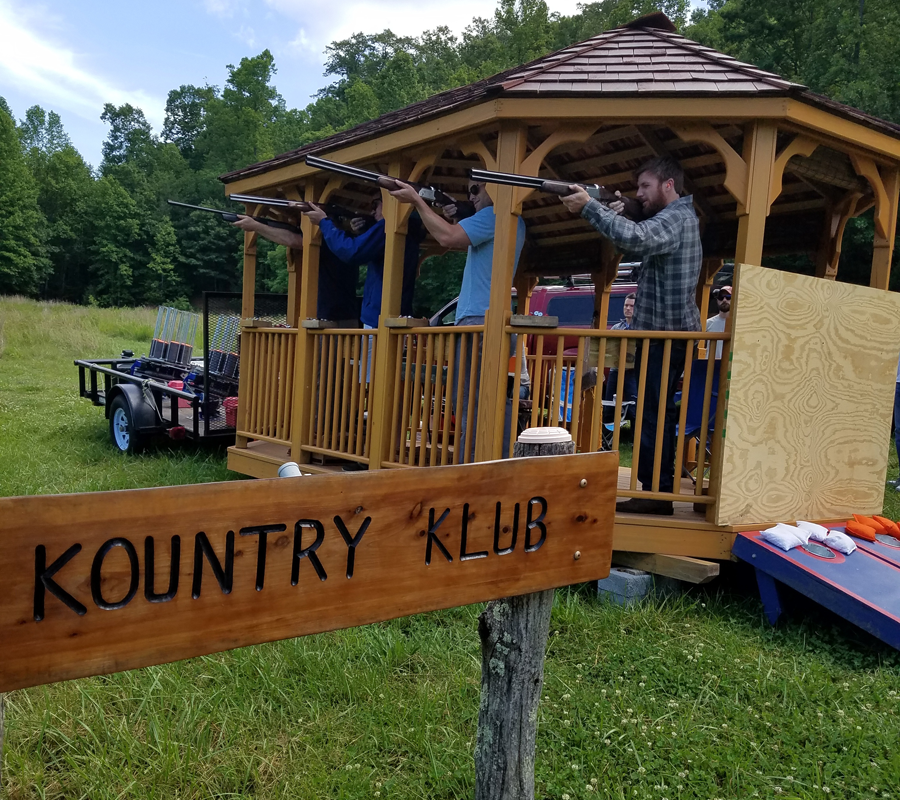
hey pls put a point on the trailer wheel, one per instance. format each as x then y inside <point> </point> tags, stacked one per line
<point>121,427</point>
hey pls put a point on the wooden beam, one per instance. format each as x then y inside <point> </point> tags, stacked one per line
<point>683,568</point>
<point>798,146</point>
<point>759,156</point>
<point>884,245</point>
<point>495,347</point>
<point>736,169</point>
<point>304,379</point>
<point>838,129</point>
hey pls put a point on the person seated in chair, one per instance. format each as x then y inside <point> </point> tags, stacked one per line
<point>629,385</point>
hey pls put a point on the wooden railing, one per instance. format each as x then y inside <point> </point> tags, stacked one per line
<point>567,387</point>
<point>267,369</point>
<point>342,366</point>
<point>434,406</point>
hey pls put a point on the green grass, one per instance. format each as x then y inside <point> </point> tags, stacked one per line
<point>693,697</point>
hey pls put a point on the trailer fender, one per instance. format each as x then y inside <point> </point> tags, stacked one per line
<point>143,412</point>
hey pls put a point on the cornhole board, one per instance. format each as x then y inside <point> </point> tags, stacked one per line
<point>863,588</point>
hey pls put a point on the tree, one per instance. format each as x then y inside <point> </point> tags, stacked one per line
<point>130,138</point>
<point>186,109</point>
<point>42,132</point>
<point>23,261</point>
<point>114,231</point>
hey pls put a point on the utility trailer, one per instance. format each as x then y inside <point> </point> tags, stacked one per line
<point>170,391</point>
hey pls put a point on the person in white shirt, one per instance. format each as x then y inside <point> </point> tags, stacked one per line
<point>716,324</point>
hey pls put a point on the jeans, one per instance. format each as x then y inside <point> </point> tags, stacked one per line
<point>462,413</point>
<point>897,417</point>
<point>654,393</point>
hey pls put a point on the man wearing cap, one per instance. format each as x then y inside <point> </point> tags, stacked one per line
<point>717,323</point>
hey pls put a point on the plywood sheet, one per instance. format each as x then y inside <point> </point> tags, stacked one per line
<point>810,398</point>
<point>103,582</point>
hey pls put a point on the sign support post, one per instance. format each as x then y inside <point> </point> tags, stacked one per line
<point>513,633</point>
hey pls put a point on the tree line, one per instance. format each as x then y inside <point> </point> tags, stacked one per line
<point>107,236</point>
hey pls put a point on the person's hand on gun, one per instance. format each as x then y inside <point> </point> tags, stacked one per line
<point>315,214</point>
<point>577,200</point>
<point>246,223</point>
<point>617,205</point>
<point>405,193</point>
<point>358,224</point>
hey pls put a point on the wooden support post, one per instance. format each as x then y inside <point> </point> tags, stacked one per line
<point>513,634</point>
<point>883,246</point>
<point>304,379</point>
<point>495,348</point>
<point>609,270</point>
<point>381,388</point>
<point>294,261</point>
<point>248,285</point>
<point>759,155</point>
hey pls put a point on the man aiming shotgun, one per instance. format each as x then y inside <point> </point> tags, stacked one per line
<point>429,194</point>
<point>631,207</point>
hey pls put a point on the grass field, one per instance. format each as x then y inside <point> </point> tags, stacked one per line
<point>692,697</point>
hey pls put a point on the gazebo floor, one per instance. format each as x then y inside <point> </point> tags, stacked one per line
<point>685,533</point>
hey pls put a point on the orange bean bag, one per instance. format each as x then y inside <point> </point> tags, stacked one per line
<point>861,531</point>
<point>889,525</point>
<point>872,523</point>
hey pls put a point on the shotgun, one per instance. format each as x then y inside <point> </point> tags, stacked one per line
<point>431,194</point>
<point>338,214</point>
<point>228,216</point>
<point>633,209</point>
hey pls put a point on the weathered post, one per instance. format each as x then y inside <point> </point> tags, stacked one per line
<point>513,634</point>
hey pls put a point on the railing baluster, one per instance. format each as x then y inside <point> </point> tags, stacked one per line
<point>447,405</point>
<point>416,401</point>
<point>576,393</point>
<point>682,413</point>
<point>458,443</point>
<point>397,399</point>
<point>516,387</point>
<point>661,414</point>
<point>639,413</point>
<point>426,398</point>
<point>474,373</point>
<point>537,384</point>
<point>436,398</point>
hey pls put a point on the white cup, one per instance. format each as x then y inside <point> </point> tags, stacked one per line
<point>290,469</point>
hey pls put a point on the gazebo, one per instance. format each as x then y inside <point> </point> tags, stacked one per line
<point>805,382</point>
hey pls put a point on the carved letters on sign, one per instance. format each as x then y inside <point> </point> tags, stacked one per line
<point>45,575</point>
<point>98,583</point>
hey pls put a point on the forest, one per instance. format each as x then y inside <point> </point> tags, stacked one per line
<point>106,236</point>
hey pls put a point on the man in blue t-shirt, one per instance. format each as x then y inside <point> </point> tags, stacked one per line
<point>475,235</point>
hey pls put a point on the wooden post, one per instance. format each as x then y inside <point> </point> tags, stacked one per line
<point>495,344</point>
<point>294,260</point>
<point>513,636</point>
<point>248,285</point>
<point>883,246</point>
<point>759,154</point>
<point>304,379</point>
<point>381,388</point>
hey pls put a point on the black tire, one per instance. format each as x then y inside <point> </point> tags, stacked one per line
<point>121,428</point>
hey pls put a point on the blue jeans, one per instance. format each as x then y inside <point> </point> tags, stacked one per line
<point>462,413</point>
<point>655,393</point>
<point>897,417</point>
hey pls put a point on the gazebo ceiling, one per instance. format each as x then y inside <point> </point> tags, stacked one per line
<point>644,60</point>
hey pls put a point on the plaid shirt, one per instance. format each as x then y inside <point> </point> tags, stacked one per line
<point>669,246</point>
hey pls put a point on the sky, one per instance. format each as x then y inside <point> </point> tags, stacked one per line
<point>72,57</point>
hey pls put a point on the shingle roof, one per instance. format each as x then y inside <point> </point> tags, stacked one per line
<point>644,57</point>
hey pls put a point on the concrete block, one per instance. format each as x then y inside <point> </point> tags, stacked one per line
<point>667,587</point>
<point>625,586</point>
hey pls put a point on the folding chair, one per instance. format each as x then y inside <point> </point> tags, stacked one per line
<point>694,427</point>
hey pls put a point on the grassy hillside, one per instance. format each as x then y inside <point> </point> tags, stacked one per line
<point>694,697</point>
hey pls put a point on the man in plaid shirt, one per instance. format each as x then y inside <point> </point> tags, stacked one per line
<point>668,242</point>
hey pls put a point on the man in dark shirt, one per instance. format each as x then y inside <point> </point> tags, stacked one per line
<point>668,241</point>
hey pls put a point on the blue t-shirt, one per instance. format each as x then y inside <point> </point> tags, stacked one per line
<point>368,248</point>
<point>475,294</point>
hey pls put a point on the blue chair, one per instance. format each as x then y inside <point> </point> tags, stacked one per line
<point>694,424</point>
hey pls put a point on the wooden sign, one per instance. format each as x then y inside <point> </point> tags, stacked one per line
<point>103,582</point>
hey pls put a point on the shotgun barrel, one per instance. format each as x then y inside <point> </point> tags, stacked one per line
<point>430,194</point>
<point>230,216</point>
<point>633,208</point>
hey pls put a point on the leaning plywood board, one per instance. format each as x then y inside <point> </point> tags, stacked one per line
<point>810,394</point>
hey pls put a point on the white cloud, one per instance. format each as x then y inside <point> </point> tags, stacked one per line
<point>223,9</point>
<point>50,70</point>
